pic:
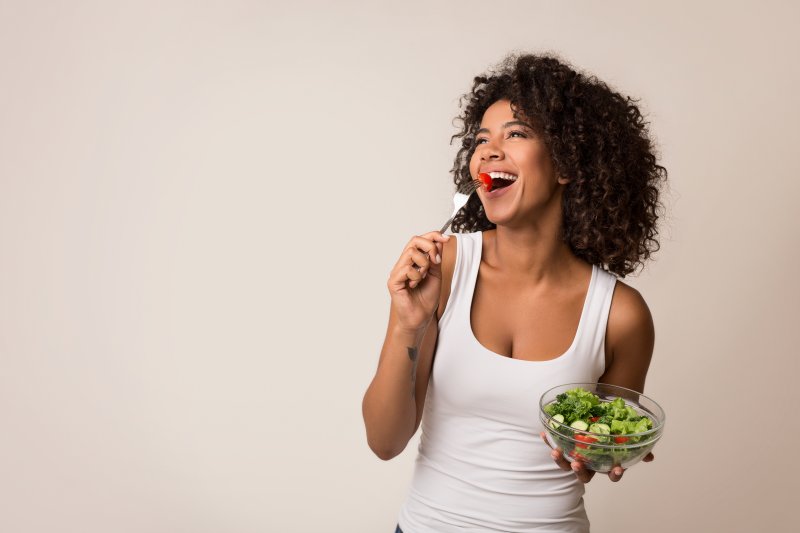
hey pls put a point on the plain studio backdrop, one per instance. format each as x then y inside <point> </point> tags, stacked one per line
<point>200,204</point>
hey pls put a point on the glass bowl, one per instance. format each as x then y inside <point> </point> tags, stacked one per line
<point>596,451</point>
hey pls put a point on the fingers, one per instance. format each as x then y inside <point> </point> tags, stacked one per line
<point>419,256</point>
<point>414,277</point>
<point>556,454</point>
<point>429,244</point>
<point>558,457</point>
<point>616,473</point>
<point>584,475</point>
<point>437,236</point>
<point>418,267</point>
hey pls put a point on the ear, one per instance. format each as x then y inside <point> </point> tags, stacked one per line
<point>563,181</point>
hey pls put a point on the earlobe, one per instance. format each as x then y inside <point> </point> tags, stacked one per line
<point>563,181</point>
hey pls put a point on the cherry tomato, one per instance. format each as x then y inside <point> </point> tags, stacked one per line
<point>584,438</point>
<point>487,180</point>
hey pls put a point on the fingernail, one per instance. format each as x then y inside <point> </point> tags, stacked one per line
<point>438,258</point>
<point>576,466</point>
<point>446,237</point>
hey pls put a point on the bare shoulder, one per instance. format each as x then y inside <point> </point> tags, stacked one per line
<point>630,338</point>
<point>629,312</point>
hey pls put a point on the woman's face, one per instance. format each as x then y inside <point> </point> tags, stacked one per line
<point>505,144</point>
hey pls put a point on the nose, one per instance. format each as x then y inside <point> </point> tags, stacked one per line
<point>490,151</point>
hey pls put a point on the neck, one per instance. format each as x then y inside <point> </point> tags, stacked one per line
<point>530,253</point>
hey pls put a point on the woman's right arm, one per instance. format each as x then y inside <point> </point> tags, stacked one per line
<point>393,403</point>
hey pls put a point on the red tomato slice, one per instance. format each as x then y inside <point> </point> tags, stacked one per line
<point>620,440</point>
<point>594,419</point>
<point>486,179</point>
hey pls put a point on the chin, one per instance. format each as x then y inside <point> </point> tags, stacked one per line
<point>498,220</point>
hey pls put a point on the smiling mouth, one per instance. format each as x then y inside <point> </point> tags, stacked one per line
<point>499,183</point>
<point>497,180</point>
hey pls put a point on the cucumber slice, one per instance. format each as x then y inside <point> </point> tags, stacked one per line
<point>557,418</point>
<point>603,429</point>
<point>580,425</point>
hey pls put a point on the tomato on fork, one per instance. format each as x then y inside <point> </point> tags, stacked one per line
<point>487,180</point>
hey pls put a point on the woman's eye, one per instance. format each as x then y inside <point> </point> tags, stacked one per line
<point>510,134</point>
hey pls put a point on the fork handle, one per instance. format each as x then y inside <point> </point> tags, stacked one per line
<point>447,224</point>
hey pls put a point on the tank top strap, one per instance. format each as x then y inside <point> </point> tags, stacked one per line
<point>591,342</point>
<point>465,272</point>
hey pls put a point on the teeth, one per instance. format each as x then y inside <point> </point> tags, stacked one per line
<point>503,175</point>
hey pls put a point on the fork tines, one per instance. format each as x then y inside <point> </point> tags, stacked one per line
<point>469,187</point>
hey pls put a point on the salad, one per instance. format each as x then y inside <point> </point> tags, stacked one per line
<point>611,421</point>
<point>601,433</point>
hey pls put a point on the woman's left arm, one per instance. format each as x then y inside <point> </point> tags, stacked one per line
<point>630,337</point>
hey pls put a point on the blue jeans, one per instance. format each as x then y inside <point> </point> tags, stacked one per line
<point>398,530</point>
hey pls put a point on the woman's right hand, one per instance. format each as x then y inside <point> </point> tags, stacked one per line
<point>416,280</point>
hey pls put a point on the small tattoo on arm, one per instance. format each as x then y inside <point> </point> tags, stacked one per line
<point>413,351</point>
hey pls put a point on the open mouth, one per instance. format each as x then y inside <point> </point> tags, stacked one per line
<point>499,183</point>
<point>497,180</point>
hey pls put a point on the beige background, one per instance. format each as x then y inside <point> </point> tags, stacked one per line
<point>200,203</point>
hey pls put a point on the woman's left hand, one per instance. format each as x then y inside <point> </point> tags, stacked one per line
<point>584,474</point>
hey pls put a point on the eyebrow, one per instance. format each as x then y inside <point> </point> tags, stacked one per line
<point>506,125</point>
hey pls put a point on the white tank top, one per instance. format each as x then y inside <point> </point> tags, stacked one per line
<point>482,465</point>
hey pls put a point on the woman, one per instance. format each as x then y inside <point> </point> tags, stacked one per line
<point>523,297</point>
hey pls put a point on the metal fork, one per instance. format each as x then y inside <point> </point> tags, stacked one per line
<point>460,199</point>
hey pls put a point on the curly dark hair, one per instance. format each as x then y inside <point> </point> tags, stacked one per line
<point>595,136</point>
